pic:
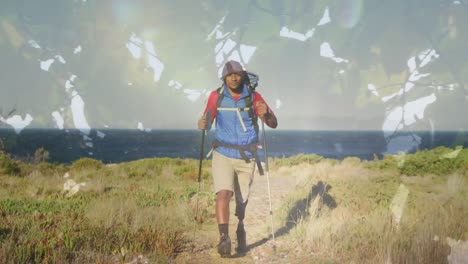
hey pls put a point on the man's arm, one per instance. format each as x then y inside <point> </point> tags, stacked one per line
<point>210,112</point>
<point>270,119</point>
<point>264,112</point>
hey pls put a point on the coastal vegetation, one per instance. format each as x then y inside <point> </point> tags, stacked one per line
<point>405,208</point>
<point>402,208</point>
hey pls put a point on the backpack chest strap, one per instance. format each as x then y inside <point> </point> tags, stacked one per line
<point>237,110</point>
<point>241,109</point>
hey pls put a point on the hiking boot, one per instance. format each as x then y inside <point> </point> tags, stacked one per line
<point>224,246</point>
<point>241,239</point>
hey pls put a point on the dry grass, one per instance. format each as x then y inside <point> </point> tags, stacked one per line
<point>455,184</point>
<point>144,207</point>
<point>339,212</point>
<point>361,229</point>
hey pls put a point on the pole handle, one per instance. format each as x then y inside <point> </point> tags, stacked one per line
<point>201,154</point>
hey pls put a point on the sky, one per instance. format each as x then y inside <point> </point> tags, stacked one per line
<point>323,65</point>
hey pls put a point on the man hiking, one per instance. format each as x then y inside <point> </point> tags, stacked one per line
<point>236,107</point>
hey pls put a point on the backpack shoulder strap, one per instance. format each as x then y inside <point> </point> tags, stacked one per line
<point>220,92</point>
<point>249,103</point>
<point>253,116</point>
<point>219,99</point>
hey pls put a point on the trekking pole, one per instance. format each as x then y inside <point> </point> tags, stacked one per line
<point>207,115</point>
<point>268,180</point>
<point>199,179</point>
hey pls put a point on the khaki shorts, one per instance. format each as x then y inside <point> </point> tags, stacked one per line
<point>234,175</point>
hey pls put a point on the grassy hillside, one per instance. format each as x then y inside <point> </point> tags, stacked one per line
<point>141,207</point>
<point>340,211</point>
<point>350,212</point>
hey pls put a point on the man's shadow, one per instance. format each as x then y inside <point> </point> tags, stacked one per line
<point>300,210</point>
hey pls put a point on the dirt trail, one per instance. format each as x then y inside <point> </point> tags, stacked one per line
<point>257,225</point>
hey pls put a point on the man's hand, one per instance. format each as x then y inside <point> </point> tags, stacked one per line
<point>261,109</point>
<point>202,123</point>
<point>268,118</point>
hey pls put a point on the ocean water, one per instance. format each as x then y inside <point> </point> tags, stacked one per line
<point>118,145</point>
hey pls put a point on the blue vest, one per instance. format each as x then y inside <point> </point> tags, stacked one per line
<point>229,129</point>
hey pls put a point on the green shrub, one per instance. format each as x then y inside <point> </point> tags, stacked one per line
<point>41,155</point>
<point>46,206</point>
<point>389,162</point>
<point>160,196</point>
<point>87,163</point>
<point>9,166</point>
<point>59,238</point>
<point>148,167</point>
<point>187,171</point>
<point>463,156</point>
<point>298,159</point>
<point>439,161</point>
<point>45,168</point>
